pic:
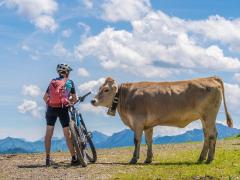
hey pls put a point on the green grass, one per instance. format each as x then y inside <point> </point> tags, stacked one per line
<point>180,163</point>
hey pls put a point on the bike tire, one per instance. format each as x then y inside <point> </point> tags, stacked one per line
<point>92,156</point>
<point>90,149</point>
<point>77,143</point>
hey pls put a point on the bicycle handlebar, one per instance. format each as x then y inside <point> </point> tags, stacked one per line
<point>82,98</point>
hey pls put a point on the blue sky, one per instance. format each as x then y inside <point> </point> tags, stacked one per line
<point>130,40</point>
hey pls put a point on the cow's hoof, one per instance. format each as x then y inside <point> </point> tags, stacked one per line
<point>147,161</point>
<point>209,161</point>
<point>133,161</point>
<point>200,160</point>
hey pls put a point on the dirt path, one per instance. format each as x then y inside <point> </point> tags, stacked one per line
<point>31,166</point>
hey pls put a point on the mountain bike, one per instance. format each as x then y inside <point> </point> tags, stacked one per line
<point>81,137</point>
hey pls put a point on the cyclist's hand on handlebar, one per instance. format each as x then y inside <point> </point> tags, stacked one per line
<point>71,103</point>
<point>81,99</point>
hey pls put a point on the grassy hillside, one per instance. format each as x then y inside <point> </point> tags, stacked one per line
<point>177,161</point>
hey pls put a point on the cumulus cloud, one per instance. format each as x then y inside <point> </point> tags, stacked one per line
<point>159,131</point>
<point>162,45</point>
<point>83,72</point>
<point>46,23</point>
<point>86,30</point>
<point>29,106</point>
<point>31,90</point>
<point>237,77</point>
<point>88,4</point>
<point>60,51</point>
<point>232,96</point>
<point>215,28</point>
<point>66,33</point>
<point>126,10</point>
<point>112,49</point>
<point>86,107</point>
<point>25,48</point>
<point>40,12</point>
<point>91,85</point>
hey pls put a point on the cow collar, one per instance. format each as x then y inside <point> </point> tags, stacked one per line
<point>112,109</point>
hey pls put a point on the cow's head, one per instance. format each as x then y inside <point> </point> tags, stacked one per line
<point>106,93</point>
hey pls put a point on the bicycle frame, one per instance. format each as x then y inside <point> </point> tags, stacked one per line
<point>82,139</point>
<point>77,116</point>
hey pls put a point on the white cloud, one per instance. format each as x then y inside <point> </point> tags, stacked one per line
<point>29,106</point>
<point>46,23</point>
<point>232,92</point>
<point>215,28</point>
<point>126,10</point>
<point>25,48</point>
<point>88,4</point>
<point>114,50</point>
<point>67,33</point>
<point>39,12</point>
<point>34,57</point>
<point>158,39</point>
<point>31,90</point>
<point>83,72</point>
<point>86,30</point>
<point>237,77</point>
<point>60,51</point>
<point>172,131</point>
<point>91,85</point>
<point>86,107</point>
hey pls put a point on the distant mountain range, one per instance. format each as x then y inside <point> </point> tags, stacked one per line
<point>122,138</point>
<point>196,135</point>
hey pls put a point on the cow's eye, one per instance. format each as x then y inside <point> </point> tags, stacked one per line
<point>106,90</point>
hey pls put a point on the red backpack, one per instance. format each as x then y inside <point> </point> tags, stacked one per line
<point>58,96</point>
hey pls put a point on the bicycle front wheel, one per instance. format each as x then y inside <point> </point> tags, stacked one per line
<point>90,148</point>
<point>78,147</point>
<point>91,152</point>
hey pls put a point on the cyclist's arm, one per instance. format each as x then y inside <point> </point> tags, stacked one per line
<point>45,97</point>
<point>73,95</point>
<point>73,98</point>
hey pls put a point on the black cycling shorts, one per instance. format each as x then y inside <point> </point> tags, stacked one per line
<point>53,113</point>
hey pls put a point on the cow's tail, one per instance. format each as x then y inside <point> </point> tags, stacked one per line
<point>229,119</point>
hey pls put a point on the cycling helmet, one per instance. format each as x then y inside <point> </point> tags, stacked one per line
<point>63,68</point>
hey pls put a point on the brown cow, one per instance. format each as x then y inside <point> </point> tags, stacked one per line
<point>143,105</point>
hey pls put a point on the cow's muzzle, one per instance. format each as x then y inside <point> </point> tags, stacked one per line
<point>93,102</point>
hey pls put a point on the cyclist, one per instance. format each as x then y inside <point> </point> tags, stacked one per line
<point>60,111</point>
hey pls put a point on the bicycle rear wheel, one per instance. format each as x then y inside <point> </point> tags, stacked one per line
<point>77,143</point>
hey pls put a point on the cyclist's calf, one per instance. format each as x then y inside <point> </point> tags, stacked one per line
<point>67,135</point>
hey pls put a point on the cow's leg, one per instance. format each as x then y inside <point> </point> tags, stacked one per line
<point>209,122</point>
<point>137,142</point>
<point>210,137</point>
<point>148,137</point>
<point>212,142</point>
<point>205,144</point>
